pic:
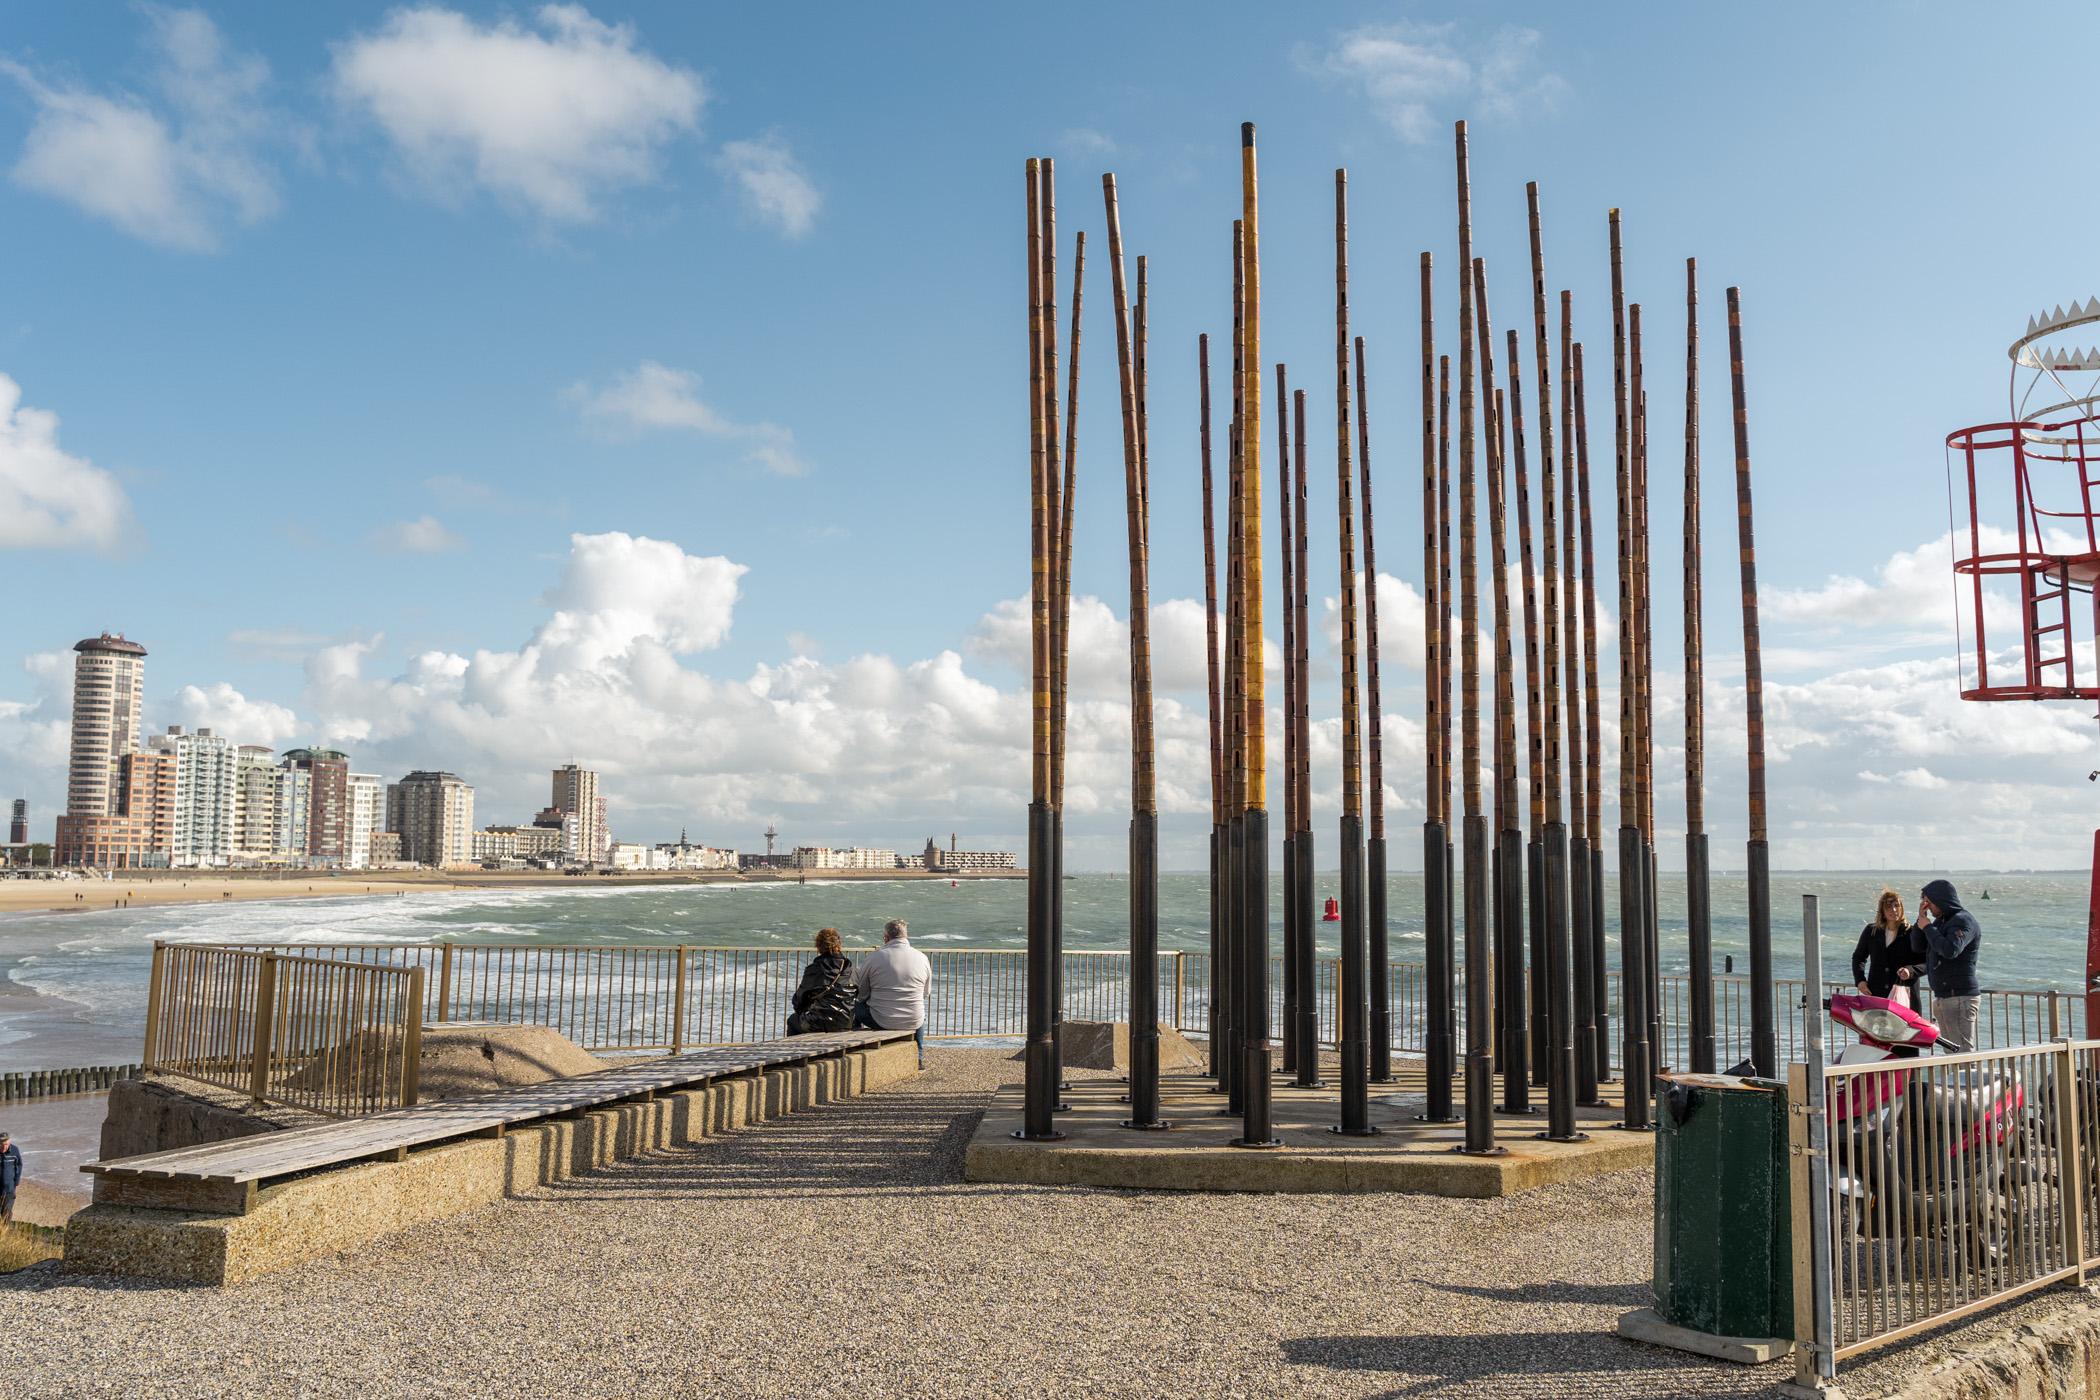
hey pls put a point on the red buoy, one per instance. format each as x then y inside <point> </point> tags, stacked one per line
<point>1333,914</point>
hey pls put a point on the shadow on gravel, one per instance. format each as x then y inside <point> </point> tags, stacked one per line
<point>1618,1295</point>
<point>1546,1365</point>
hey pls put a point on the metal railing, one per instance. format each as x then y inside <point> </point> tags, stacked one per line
<point>1953,1183</point>
<point>284,1026</point>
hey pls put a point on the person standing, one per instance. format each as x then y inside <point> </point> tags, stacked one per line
<point>1948,938</point>
<point>893,983</point>
<point>1884,952</point>
<point>10,1178</point>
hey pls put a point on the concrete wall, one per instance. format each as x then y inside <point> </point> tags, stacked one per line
<point>147,1116</point>
<point>343,1208</point>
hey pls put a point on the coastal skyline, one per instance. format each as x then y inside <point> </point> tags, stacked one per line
<point>662,438</point>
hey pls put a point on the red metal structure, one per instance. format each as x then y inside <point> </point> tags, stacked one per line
<point>2032,572</point>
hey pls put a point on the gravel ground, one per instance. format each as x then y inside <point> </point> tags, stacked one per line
<point>840,1252</point>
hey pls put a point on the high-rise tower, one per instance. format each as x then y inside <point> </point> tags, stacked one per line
<point>109,684</point>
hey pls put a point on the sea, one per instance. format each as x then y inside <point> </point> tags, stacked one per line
<point>73,986</point>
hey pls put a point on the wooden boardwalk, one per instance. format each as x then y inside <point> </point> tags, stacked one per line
<point>249,1162</point>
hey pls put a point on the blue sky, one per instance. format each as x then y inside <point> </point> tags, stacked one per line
<point>371,314</point>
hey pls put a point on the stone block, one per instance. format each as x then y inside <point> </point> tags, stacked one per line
<point>1106,1045</point>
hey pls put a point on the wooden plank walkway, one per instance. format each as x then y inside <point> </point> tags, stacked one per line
<point>266,1156</point>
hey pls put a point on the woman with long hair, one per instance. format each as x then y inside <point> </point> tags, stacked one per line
<point>824,1000</point>
<point>1884,962</point>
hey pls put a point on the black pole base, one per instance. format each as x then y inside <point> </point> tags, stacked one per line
<point>1367,1130</point>
<point>1447,1118</point>
<point>1465,1151</point>
<point>1577,1136</point>
<point>1265,1143</point>
<point>1023,1135</point>
<point>1633,1127</point>
<point>1157,1125</point>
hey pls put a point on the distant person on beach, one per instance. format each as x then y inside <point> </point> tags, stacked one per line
<point>825,1000</point>
<point>1947,939</point>
<point>1884,961</point>
<point>893,983</point>
<point>10,1178</point>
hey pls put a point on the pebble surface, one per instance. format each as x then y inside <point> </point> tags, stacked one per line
<point>839,1252</point>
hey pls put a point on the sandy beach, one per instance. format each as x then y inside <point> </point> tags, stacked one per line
<point>140,889</point>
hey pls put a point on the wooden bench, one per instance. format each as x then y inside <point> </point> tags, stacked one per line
<point>225,1176</point>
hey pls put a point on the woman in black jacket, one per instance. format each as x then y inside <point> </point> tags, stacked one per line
<point>1884,958</point>
<point>824,1000</point>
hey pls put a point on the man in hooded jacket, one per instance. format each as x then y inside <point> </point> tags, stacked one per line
<point>1947,936</point>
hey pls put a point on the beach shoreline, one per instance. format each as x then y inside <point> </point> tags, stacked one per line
<point>141,889</point>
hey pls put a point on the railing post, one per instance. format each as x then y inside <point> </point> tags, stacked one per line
<point>412,1040</point>
<point>265,1028</point>
<point>1181,961</point>
<point>444,985</point>
<point>2055,1016</point>
<point>2070,1148</point>
<point>678,1004</point>
<point>155,989</point>
<point>1799,1188</point>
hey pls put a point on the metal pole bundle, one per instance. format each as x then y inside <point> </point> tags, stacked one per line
<point>1508,860</point>
<point>1764,1041</point>
<point>1253,837</point>
<point>1633,918</point>
<point>1295,927</point>
<point>1480,1084</point>
<point>1553,892</point>
<point>1144,808</point>
<point>1374,854</point>
<point>1439,998</point>
<point>1535,784</point>
<point>1355,1056</point>
<point>1697,883</point>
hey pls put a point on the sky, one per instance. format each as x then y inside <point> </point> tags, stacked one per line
<point>486,387</point>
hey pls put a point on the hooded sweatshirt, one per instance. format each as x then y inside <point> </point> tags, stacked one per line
<point>1949,943</point>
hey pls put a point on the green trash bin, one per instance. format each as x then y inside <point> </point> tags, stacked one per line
<point>1723,1211</point>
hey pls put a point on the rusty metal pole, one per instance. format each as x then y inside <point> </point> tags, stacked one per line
<point>1040,1065</point>
<point>1633,918</point>
<point>1644,694</point>
<point>1698,881</point>
<point>1592,736</point>
<point>1381,1030</point>
<point>1226,1041</point>
<point>1534,704</point>
<point>1306,1030</point>
<point>1439,994</point>
<point>1294,928</point>
<point>1355,1053</point>
<point>1764,1040</point>
<point>1057,647</point>
<point>1584,1008</point>
<point>1217,736</point>
<point>1255,1122</point>
<point>1480,1082</point>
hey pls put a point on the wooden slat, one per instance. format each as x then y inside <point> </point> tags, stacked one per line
<point>267,1155</point>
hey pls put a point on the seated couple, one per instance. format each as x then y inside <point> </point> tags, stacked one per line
<point>887,992</point>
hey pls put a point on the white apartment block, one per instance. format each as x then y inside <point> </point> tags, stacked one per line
<point>434,816</point>
<point>685,856</point>
<point>843,858</point>
<point>258,789</point>
<point>207,796</point>
<point>575,792</point>
<point>367,815</point>
<point>517,843</point>
<point>109,685</point>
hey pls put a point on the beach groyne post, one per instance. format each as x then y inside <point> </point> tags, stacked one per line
<point>1144,809</point>
<point>1254,817</point>
<point>1764,1041</point>
<point>1553,892</point>
<point>1295,927</point>
<point>1480,1081</point>
<point>1375,913</point>
<point>1355,1054</point>
<point>1698,897</point>
<point>1633,919</point>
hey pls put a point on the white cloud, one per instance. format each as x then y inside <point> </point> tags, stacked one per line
<point>655,396</point>
<point>550,118</point>
<point>226,711</point>
<point>50,499</point>
<point>1419,76</point>
<point>772,183</point>
<point>1085,141</point>
<point>423,535</point>
<point>173,171</point>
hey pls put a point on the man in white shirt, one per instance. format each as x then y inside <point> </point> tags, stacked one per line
<point>893,983</point>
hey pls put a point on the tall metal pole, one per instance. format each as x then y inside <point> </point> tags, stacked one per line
<point>1633,918</point>
<point>1040,1065</point>
<point>1698,885</point>
<point>1480,1071</point>
<point>1374,855</point>
<point>1559,979</point>
<point>1057,612</point>
<point>1578,896</point>
<point>1592,735</point>
<point>1294,927</point>
<point>1144,808</point>
<point>1255,1123</point>
<point>1355,1054</point>
<point>1534,705</point>
<point>1227,1013</point>
<point>1439,996</point>
<point>1217,736</point>
<point>1644,694</point>
<point>1306,1029</point>
<point>1508,861</point>
<point>1764,1040</point>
